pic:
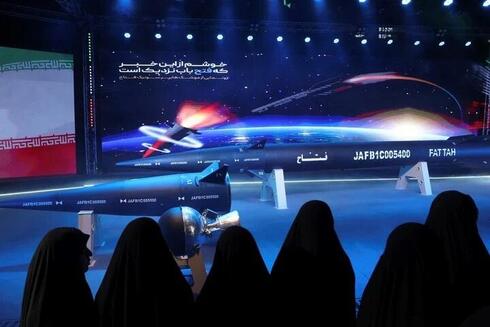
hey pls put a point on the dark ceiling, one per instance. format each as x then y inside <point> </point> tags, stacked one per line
<point>24,19</point>
<point>463,14</point>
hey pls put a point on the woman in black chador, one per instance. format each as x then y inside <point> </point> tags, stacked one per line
<point>238,281</point>
<point>143,286</point>
<point>312,276</point>
<point>408,287</point>
<point>56,293</point>
<point>453,216</point>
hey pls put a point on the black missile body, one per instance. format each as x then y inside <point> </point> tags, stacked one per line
<point>149,196</point>
<point>317,156</point>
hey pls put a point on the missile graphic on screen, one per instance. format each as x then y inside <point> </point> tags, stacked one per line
<point>320,156</point>
<point>148,196</point>
<point>191,117</point>
<point>171,136</point>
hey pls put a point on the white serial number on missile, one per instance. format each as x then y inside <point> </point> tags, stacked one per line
<point>382,155</point>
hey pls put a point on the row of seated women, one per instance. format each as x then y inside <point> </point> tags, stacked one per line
<point>437,274</point>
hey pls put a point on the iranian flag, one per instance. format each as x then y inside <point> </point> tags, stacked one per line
<point>37,118</point>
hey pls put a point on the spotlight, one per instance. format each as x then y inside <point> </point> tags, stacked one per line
<point>362,1</point>
<point>447,3</point>
<point>250,38</point>
<point>441,44</point>
<point>336,40</point>
<point>307,39</point>
<point>416,43</point>
<point>219,36</point>
<point>486,3</point>
<point>364,41</point>
<point>158,36</point>
<point>467,44</point>
<point>406,2</point>
<point>127,35</point>
<point>190,36</point>
<point>279,38</point>
<point>390,42</point>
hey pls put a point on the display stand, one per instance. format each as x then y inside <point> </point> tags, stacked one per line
<point>419,172</point>
<point>274,188</point>
<point>196,264</point>
<point>87,223</point>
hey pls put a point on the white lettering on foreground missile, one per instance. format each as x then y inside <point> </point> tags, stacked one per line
<point>442,152</point>
<point>205,197</point>
<point>382,155</point>
<point>81,202</point>
<point>147,200</point>
<point>142,164</point>
<point>37,204</point>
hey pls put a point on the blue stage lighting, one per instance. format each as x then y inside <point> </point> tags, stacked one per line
<point>307,39</point>
<point>389,42</point>
<point>447,3</point>
<point>190,36</point>
<point>279,38</point>
<point>442,43</point>
<point>219,36</point>
<point>416,43</point>
<point>127,35</point>
<point>362,1</point>
<point>336,40</point>
<point>158,36</point>
<point>406,2</point>
<point>250,38</point>
<point>467,44</point>
<point>364,41</point>
<point>486,3</point>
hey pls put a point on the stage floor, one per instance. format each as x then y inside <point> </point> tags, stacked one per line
<point>365,212</point>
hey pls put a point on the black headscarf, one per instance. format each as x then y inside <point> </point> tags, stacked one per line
<point>453,216</point>
<point>56,291</point>
<point>480,318</point>
<point>238,280</point>
<point>408,286</point>
<point>143,286</point>
<point>312,274</point>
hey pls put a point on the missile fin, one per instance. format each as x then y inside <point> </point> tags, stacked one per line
<point>257,146</point>
<point>211,168</point>
<point>256,173</point>
<point>217,176</point>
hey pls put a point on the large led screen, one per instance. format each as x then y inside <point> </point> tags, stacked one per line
<point>155,103</point>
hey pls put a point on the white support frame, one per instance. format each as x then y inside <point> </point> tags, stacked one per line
<point>419,172</point>
<point>273,188</point>
<point>87,223</point>
<point>198,270</point>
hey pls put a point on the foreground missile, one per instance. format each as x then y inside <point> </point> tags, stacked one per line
<point>317,156</point>
<point>150,196</point>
